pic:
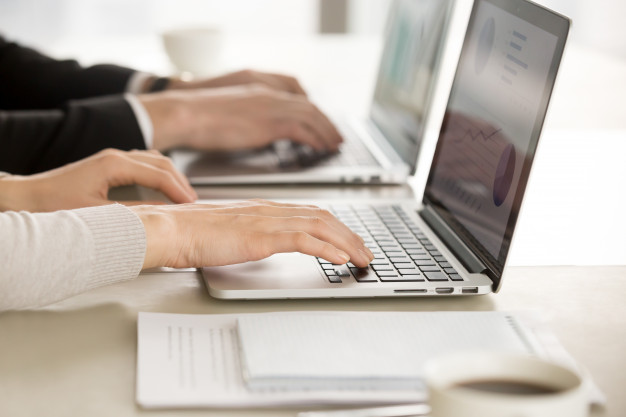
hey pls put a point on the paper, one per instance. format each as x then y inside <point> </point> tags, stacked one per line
<point>190,361</point>
<point>366,350</point>
<point>187,360</point>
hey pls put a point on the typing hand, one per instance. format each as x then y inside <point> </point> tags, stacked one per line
<point>277,82</point>
<point>87,182</point>
<point>196,235</point>
<point>232,118</point>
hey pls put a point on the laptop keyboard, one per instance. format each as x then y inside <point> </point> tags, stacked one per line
<point>352,153</point>
<point>402,251</point>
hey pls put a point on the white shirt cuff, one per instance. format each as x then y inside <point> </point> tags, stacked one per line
<point>143,119</point>
<point>136,82</point>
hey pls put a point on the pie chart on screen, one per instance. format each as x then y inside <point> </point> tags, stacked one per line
<point>504,175</point>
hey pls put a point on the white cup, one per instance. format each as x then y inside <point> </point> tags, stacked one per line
<point>194,50</point>
<point>483,384</point>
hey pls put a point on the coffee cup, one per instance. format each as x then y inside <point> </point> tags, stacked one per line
<point>482,384</point>
<point>194,50</point>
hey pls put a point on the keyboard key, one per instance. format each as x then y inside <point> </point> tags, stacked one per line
<point>408,271</point>
<point>450,270</point>
<point>444,264</point>
<point>363,275</point>
<point>342,271</point>
<point>328,266</point>
<point>436,276</point>
<point>334,278</point>
<point>395,253</point>
<point>456,277</point>
<point>429,268</point>
<point>402,278</point>
<point>407,265</point>
<point>440,258</point>
<point>382,261</point>
<point>408,246</point>
<point>416,251</point>
<point>388,274</point>
<point>395,259</point>
<point>387,267</point>
<point>425,262</point>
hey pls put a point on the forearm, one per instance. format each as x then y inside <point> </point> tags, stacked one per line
<point>35,141</point>
<point>51,256</point>
<point>31,80</point>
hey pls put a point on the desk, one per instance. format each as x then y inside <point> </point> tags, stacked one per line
<point>78,357</point>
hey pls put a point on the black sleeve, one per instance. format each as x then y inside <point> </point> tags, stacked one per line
<point>30,80</point>
<point>35,141</point>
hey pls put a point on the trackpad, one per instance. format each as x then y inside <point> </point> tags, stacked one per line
<point>280,271</point>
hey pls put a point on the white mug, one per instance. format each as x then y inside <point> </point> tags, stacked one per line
<point>194,50</point>
<point>481,384</point>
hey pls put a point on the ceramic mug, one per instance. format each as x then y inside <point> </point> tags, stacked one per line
<point>194,50</point>
<point>484,384</point>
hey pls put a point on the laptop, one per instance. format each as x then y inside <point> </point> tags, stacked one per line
<point>457,240</point>
<point>381,149</point>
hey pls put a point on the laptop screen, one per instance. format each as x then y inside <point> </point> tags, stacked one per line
<point>410,60</point>
<point>492,123</point>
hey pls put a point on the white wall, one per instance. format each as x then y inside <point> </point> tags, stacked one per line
<point>38,22</point>
<point>597,23</point>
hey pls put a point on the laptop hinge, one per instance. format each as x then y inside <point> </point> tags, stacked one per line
<point>470,261</point>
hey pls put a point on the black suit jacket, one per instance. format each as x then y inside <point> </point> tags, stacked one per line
<point>53,112</point>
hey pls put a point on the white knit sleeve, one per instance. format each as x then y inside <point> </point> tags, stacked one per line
<point>46,257</point>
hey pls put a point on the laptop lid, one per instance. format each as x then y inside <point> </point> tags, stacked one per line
<point>491,127</point>
<point>412,53</point>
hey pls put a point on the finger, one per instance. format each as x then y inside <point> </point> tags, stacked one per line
<point>304,215</point>
<point>313,119</point>
<point>291,84</point>
<point>299,241</point>
<point>302,134</point>
<point>155,158</point>
<point>333,232</point>
<point>137,172</point>
<point>131,203</point>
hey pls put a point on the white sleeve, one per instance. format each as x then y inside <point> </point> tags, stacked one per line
<point>143,119</point>
<point>46,257</point>
<point>136,82</point>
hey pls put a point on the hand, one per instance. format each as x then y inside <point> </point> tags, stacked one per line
<point>87,182</point>
<point>274,81</point>
<point>232,118</point>
<point>197,235</point>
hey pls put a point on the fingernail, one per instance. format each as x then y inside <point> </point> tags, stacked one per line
<point>344,256</point>
<point>366,257</point>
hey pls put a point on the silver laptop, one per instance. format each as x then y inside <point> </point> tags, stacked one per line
<point>382,149</point>
<point>456,242</point>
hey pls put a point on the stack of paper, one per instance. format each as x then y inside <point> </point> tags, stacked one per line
<point>374,351</point>
<point>310,358</point>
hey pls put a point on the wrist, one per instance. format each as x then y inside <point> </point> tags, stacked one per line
<point>14,193</point>
<point>159,227</point>
<point>170,119</point>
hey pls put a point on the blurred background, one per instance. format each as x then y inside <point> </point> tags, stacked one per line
<point>46,23</point>
<point>580,162</point>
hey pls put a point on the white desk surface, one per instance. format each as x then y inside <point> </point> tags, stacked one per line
<point>78,357</point>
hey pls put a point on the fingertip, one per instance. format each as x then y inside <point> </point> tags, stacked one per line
<point>345,258</point>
